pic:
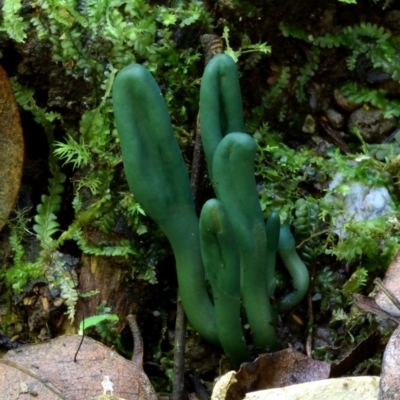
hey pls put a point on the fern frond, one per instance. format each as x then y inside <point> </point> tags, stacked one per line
<point>13,23</point>
<point>106,222</point>
<point>122,248</point>
<point>328,40</point>
<point>279,86</point>
<point>70,295</point>
<point>369,30</point>
<point>376,97</point>
<point>46,221</point>
<point>295,32</point>
<point>306,227</point>
<point>306,72</point>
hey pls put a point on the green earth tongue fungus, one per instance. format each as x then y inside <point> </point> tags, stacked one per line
<point>221,109</point>
<point>158,178</point>
<point>296,268</point>
<point>222,262</point>
<point>235,186</point>
<point>233,233</point>
<point>230,157</point>
<point>221,114</point>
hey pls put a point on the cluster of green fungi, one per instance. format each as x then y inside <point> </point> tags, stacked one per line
<point>229,243</point>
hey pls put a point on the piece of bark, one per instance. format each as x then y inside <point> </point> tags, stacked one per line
<point>178,380</point>
<point>212,45</point>
<point>105,276</point>
<point>12,148</point>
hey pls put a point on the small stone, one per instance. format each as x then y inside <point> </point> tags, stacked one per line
<point>335,118</point>
<point>344,102</point>
<point>371,124</point>
<point>18,328</point>
<point>222,385</point>
<point>309,125</point>
<point>58,302</point>
<point>323,337</point>
<point>358,201</point>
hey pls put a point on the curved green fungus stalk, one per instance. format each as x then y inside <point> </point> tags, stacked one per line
<point>235,186</point>
<point>272,229</point>
<point>222,261</point>
<point>158,178</point>
<point>221,109</point>
<point>296,268</point>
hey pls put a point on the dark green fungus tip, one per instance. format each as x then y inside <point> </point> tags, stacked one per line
<point>221,109</point>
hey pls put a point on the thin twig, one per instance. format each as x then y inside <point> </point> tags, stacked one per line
<point>388,293</point>
<point>137,356</point>
<point>310,314</point>
<point>80,345</point>
<point>178,384</point>
<point>312,236</point>
<point>199,388</point>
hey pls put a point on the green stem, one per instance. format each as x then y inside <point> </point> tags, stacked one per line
<point>272,229</point>
<point>222,261</point>
<point>235,186</point>
<point>296,268</point>
<point>158,178</point>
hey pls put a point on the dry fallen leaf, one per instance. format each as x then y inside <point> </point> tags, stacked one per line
<point>365,349</point>
<point>368,304</point>
<point>49,369</point>
<point>390,383</point>
<point>15,380</point>
<point>384,306</point>
<point>392,283</point>
<point>274,370</point>
<point>12,148</point>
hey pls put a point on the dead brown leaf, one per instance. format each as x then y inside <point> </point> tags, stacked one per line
<point>384,306</point>
<point>15,380</point>
<point>392,283</point>
<point>12,148</point>
<point>389,386</point>
<point>362,351</point>
<point>275,370</point>
<point>368,304</point>
<point>49,369</point>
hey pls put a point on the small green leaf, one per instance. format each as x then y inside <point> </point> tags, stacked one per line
<point>95,320</point>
